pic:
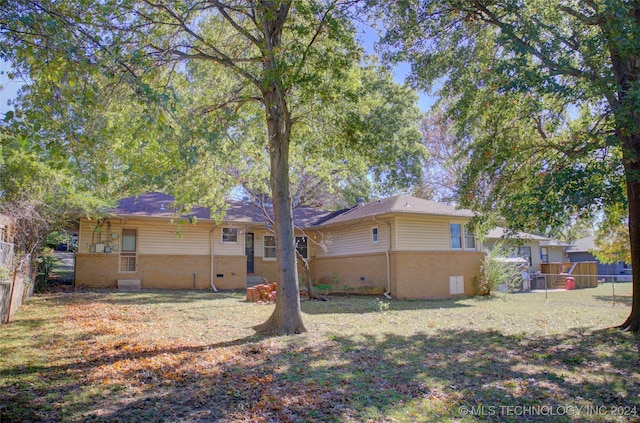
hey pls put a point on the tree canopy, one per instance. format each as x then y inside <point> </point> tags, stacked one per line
<point>197,98</point>
<point>545,100</point>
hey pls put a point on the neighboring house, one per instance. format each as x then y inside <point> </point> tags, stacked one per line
<point>409,247</point>
<point>533,248</point>
<point>581,250</point>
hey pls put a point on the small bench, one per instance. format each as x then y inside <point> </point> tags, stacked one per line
<point>129,285</point>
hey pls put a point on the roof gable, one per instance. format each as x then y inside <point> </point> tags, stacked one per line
<point>396,204</point>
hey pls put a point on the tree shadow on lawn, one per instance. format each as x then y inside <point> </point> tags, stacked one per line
<point>157,296</point>
<point>335,377</point>
<point>361,304</point>
<point>619,299</point>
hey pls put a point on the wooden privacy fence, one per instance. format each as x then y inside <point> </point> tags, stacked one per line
<point>14,282</point>
<point>585,274</point>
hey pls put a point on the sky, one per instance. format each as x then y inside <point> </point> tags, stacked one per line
<point>367,35</point>
<point>9,88</point>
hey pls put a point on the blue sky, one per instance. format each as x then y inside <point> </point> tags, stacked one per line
<point>368,37</point>
<point>10,87</point>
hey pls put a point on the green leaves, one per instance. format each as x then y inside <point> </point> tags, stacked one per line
<point>530,88</point>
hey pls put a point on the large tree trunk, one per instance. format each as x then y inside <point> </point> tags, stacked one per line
<point>632,171</point>
<point>287,317</point>
<point>626,68</point>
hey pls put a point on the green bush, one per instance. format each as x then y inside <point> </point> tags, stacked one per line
<point>496,272</point>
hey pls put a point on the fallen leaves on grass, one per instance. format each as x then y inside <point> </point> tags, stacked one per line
<point>113,358</point>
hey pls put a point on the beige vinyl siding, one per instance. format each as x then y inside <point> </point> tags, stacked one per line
<point>163,239</point>
<point>228,249</point>
<point>84,236</point>
<point>354,240</point>
<point>154,236</point>
<point>424,234</point>
<point>89,234</point>
<point>258,243</point>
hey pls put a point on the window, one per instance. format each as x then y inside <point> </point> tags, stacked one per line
<point>544,254</point>
<point>229,235</point>
<point>374,234</point>
<point>469,238</point>
<point>128,251</point>
<point>525,252</point>
<point>302,247</point>
<point>456,236</point>
<point>269,246</point>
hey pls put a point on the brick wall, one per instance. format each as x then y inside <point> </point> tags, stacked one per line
<point>426,274</point>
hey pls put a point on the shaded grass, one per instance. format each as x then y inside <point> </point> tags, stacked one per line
<point>192,356</point>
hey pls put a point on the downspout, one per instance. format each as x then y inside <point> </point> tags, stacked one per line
<point>387,293</point>
<point>213,286</point>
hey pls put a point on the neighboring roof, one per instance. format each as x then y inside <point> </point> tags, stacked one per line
<point>397,204</point>
<point>583,245</point>
<point>502,233</point>
<point>157,204</point>
<point>555,243</point>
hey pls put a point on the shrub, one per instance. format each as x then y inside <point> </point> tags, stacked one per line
<point>496,272</point>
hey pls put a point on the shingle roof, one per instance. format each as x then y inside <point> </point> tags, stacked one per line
<point>397,204</point>
<point>157,204</point>
<point>502,233</point>
<point>583,245</point>
<point>499,233</point>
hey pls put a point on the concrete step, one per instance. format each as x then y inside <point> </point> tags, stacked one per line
<point>253,280</point>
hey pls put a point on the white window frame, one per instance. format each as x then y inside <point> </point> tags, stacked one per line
<point>375,235</point>
<point>128,254</point>
<point>469,235</point>
<point>229,228</point>
<point>460,236</point>
<point>270,247</point>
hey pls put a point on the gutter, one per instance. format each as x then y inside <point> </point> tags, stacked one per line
<point>213,286</point>
<point>387,293</point>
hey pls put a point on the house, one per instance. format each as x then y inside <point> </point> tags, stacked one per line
<point>412,248</point>
<point>143,240</point>
<point>402,245</point>
<point>533,248</point>
<point>582,250</point>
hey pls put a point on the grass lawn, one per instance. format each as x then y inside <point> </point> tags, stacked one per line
<point>192,356</point>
